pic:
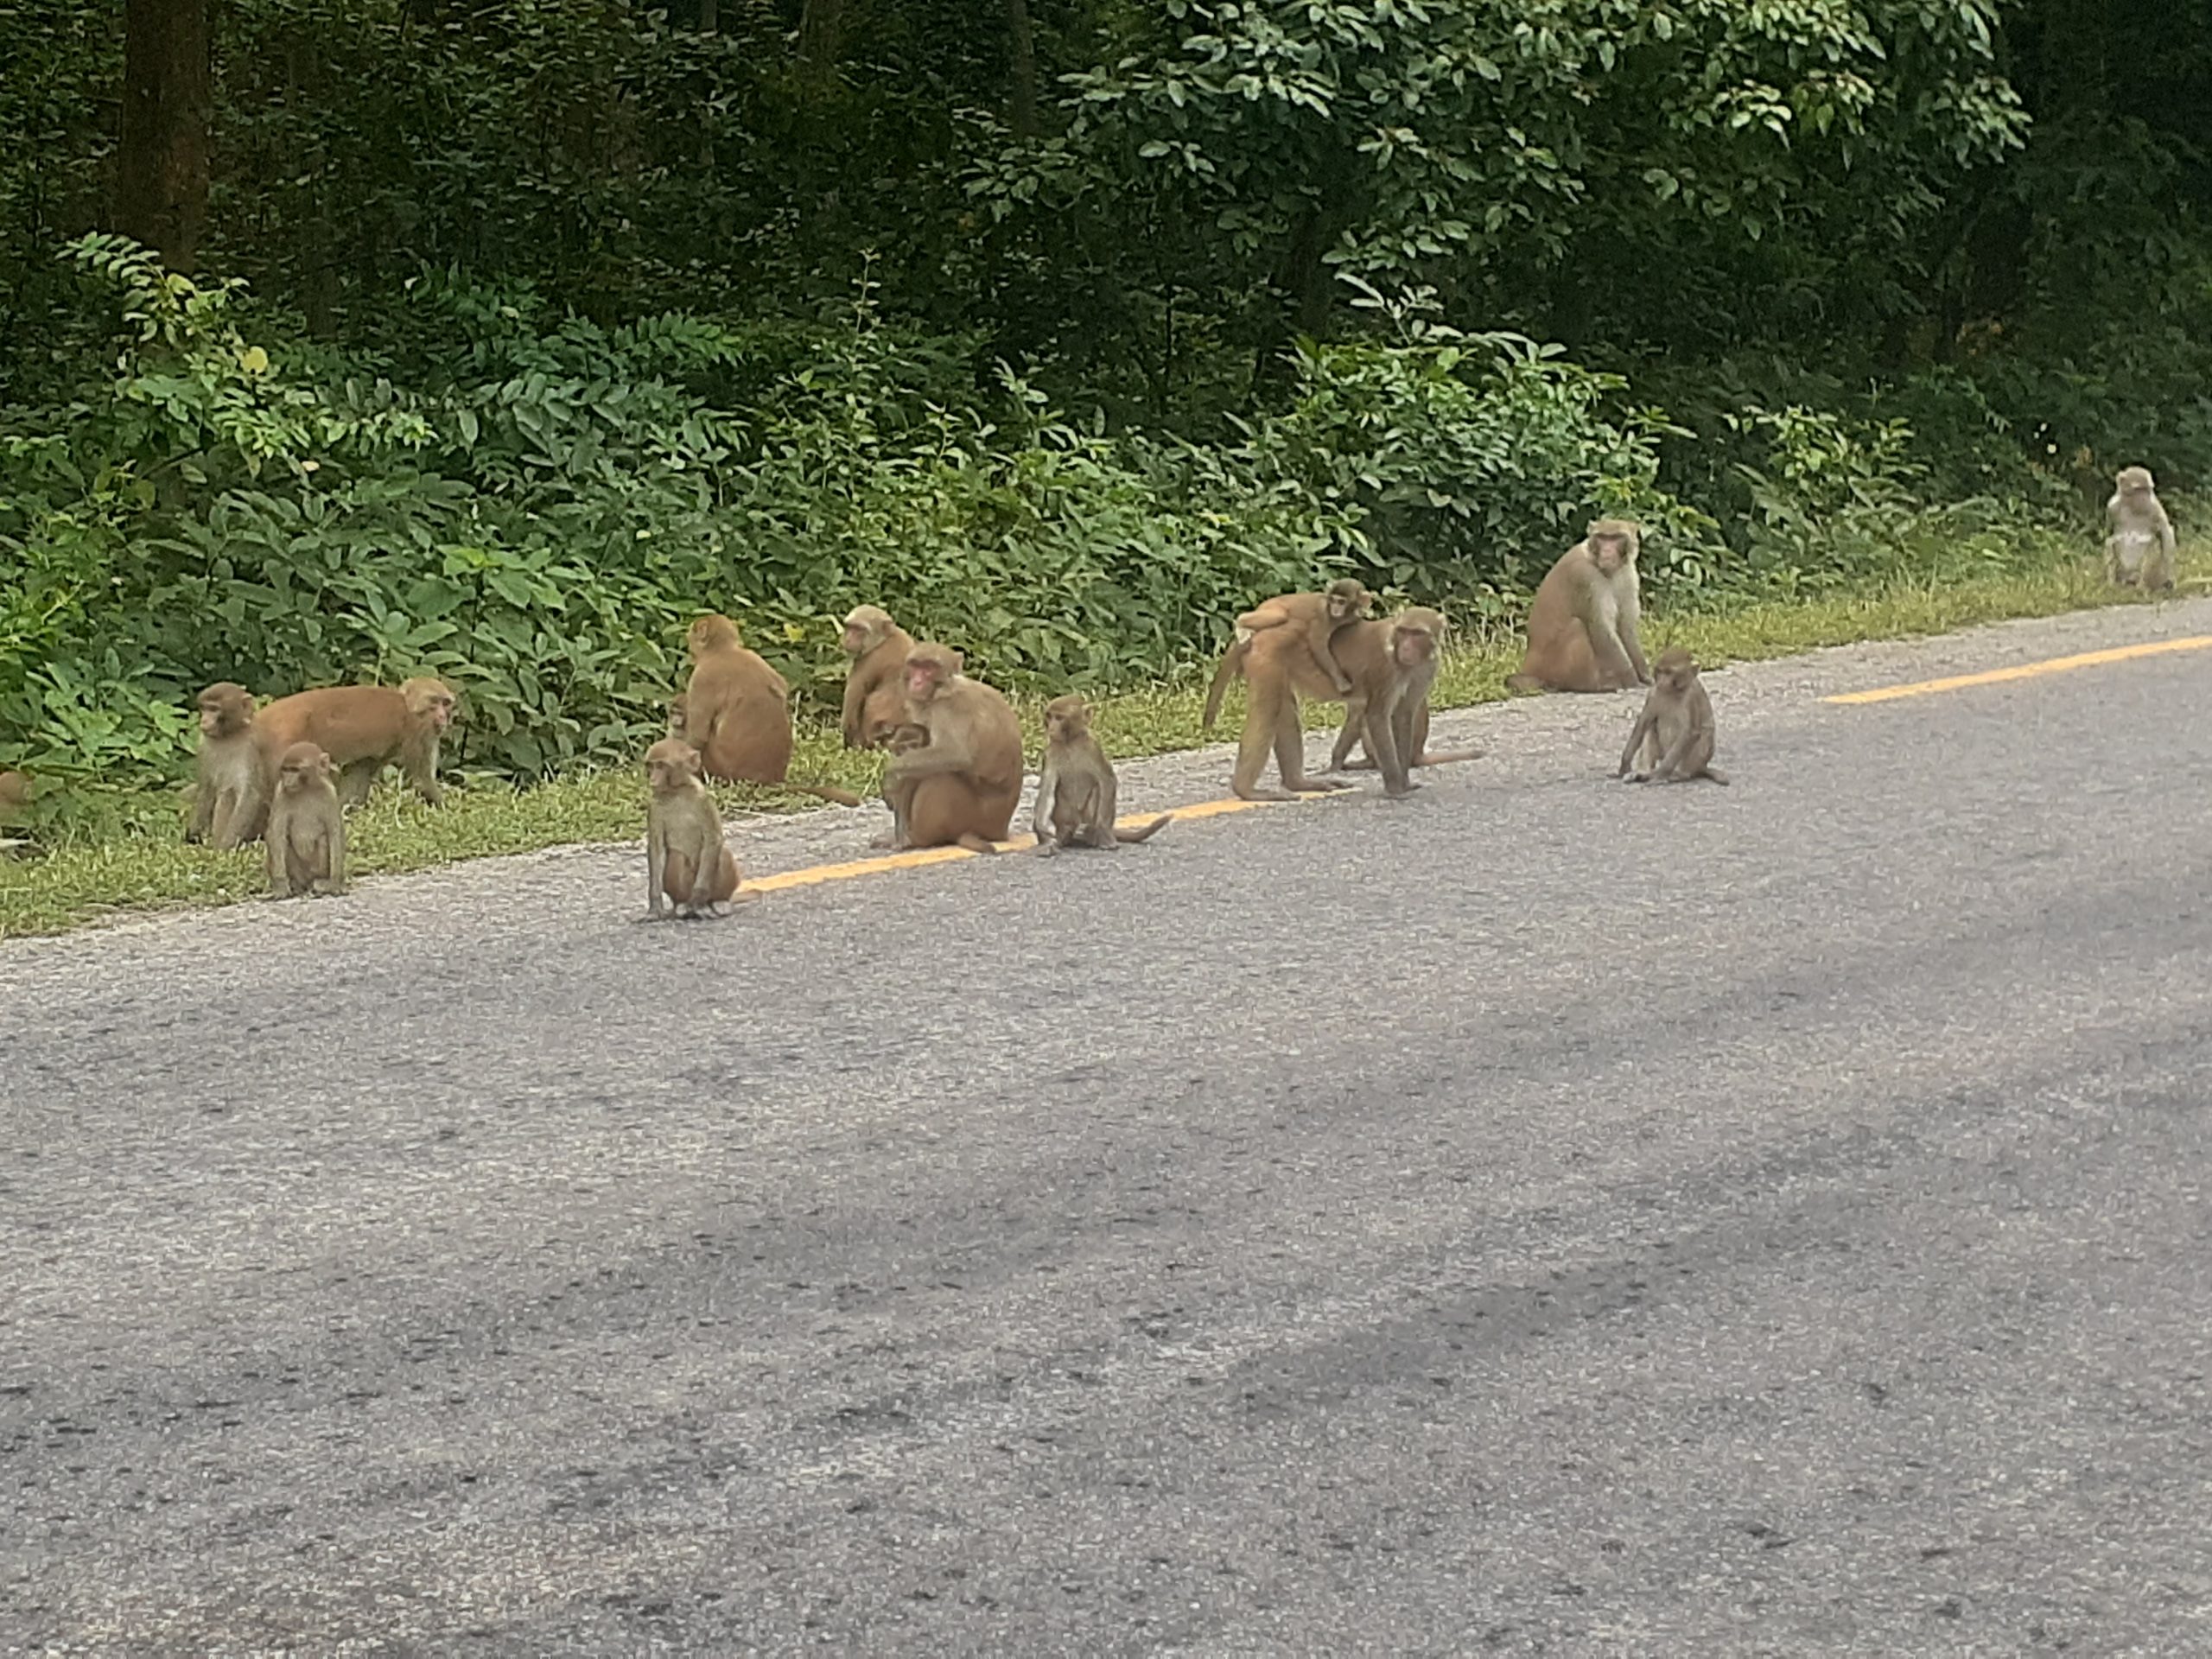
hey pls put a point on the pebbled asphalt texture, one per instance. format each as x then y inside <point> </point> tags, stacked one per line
<point>1544,1216</point>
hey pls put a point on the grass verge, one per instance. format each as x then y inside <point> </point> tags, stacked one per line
<point>75,884</point>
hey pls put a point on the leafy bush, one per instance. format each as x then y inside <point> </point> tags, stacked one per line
<point>1462,466</point>
<point>541,524</point>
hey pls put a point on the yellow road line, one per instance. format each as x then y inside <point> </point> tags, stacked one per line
<point>2026,670</point>
<point>814,875</point>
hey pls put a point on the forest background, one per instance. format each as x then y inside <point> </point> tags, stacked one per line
<point>498,340</point>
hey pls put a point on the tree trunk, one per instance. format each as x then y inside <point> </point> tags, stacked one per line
<point>710,17</point>
<point>161,157</point>
<point>1022,65</point>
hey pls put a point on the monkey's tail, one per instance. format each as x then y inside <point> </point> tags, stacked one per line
<point>1523,683</point>
<point>826,793</point>
<point>1718,776</point>
<point>1232,663</point>
<point>1146,832</point>
<point>975,843</point>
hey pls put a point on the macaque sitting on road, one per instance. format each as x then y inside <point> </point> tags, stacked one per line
<point>1674,730</point>
<point>960,788</point>
<point>1582,622</point>
<point>1076,786</point>
<point>687,861</point>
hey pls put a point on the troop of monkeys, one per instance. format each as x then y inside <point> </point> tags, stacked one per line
<point>282,773</point>
<point>954,778</point>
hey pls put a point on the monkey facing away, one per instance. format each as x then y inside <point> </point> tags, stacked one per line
<point>1674,728</point>
<point>364,728</point>
<point>233,791</point>
<point>1582,623</point>
<point>306,832</point>
<point>1075,786</point>
<point>736,712</point>
<point>1315,617</point>
<point>961,787</point>
<point>2140,549</point>
<point>688,864</point>
<point>878,647</point>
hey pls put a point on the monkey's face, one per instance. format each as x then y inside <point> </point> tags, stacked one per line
<point>1412,645</point>
<point>1610,551</point>
<point>1065,719</point>
<point>676,718</point>
<point>1344,604</point>
<point>2134,480</point>
<point>430,703</point>
<point>223,710</point>
<point>926,678</point>
<point>299,770</point>
<point>858,638</point>
<point>671,767</point>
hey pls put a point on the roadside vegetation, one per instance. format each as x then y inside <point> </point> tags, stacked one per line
<point>1062,331</point>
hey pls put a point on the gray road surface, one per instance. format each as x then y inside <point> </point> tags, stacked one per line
<point>1544,1216</point>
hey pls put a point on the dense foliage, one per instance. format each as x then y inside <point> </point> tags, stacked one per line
<point>517,333</point>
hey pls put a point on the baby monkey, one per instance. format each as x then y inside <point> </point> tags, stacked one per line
<point>306,833</point>
<point>1075,786</point>
<point>687,862</point>
<point>1318,616</point>
<point>1675,728</point>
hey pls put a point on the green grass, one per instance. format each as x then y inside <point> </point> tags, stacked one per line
<point>75,883</point>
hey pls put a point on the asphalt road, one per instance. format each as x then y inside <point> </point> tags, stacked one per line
<point>1544,1216</point>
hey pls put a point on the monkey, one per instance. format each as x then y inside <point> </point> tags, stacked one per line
<point>1416,649</point>
<point>1076,787</point>
<point>1384,666</point>
<point>736,712</point>
<point>1582,622</point>
<point>899,737</point>
<point>687,861</point>
<point>1674,728</point>
<point>885,733</point>
<point>878,647</point>
<point>233,801</point>
<point>1316,616</point>
<point>363,728</point>
<point>961,787</point>
<point>306,833</point>
<point>2140,549</point>
<point>736,708</point>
